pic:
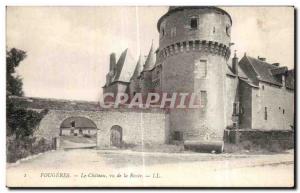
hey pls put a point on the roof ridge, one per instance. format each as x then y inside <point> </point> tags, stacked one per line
<point>264,62</point>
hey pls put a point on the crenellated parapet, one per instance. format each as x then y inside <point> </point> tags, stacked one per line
<point>214,48</point>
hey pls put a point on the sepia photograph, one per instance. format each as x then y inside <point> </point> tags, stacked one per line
<point>150,96</point>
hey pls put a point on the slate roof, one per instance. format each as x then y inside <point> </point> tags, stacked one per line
<point>138,67</point>
<point>263,70</point>
<point>279,71</point>
<point>269,73</point>
<point>125,67</point>
<point>229,72</point>
<point>80,122</point>
<point>150,61</point>
<point>290,79</point>
<point>249,83</point>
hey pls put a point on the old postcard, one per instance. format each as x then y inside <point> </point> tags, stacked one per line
<point>133,96</point>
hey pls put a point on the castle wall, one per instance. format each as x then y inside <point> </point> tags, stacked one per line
<point>231,95</point>
<point>280,108</point>
<point>117,87</point>
<point>134,86</point>
<point>138,126</point>
<point>146,82</point>
<point>245,92</point>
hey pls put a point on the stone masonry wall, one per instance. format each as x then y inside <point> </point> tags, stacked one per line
<point>280,108</point>
<point>148,126</point>
<point>181,49</point>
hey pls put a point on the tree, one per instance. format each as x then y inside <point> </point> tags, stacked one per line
<point>20,122</point>
<point>14,82</point>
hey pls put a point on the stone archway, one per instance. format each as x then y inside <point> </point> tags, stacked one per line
<point>77,131</point>
<point>116,135</point>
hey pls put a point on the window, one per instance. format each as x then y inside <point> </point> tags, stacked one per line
<point>194,23</point>
<point>163,32</point>
<point>283,111</point>
<point>201,69</point>
<point>235,108</point>
<point>234,125</point>
<point>263,87</point>
<point>178,136</point>
<point>266,113</point>
<point>173,31</point>
<point>203,98</point>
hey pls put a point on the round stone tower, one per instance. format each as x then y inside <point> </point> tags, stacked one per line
<point>194,47</point>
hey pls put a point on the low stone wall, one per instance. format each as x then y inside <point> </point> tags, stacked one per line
<point>139,126</point>
<point>282,139</point>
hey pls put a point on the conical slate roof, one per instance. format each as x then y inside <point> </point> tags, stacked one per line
<point>125,67</point>
<point>150,62</point>
<point>138,67</point>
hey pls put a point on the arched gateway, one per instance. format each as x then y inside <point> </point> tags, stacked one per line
<point>78,125</point>
<point>78,132</point>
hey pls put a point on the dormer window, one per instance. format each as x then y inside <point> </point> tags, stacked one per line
<point>194,23</point>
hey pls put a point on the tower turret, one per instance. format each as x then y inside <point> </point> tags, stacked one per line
<point>194,47</point>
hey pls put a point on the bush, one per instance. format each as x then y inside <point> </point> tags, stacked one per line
<point>18,149</point>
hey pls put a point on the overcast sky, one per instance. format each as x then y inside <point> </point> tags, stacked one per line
<point>68,47</point>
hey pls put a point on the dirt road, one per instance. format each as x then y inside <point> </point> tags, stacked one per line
<point>91,167</point>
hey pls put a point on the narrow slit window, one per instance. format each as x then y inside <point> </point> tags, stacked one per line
<point>235,108</point>
<point>266,113</point>
<point>194,23</point>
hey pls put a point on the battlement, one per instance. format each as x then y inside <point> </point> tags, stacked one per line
<point>195,45</point>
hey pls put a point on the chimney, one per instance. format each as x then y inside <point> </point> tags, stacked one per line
<point>276,64</point>
<point>261,59</point>
<point>235,61</point>
<point>112,62</point>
